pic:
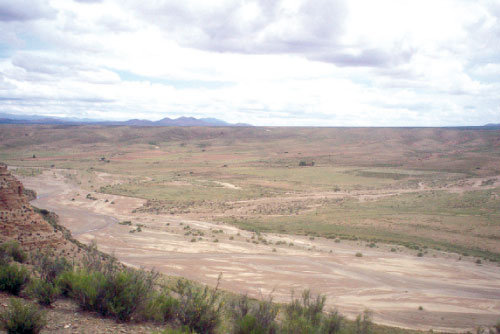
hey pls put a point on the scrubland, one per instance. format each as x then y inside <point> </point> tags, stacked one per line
<point>316,194</point>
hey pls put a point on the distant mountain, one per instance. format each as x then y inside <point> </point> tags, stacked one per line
<point>137,122</point>
<point>33,121</point>
<point>181,121</point>
<point>492,125</point>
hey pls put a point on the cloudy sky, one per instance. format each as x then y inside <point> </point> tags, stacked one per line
<point>263,62</point>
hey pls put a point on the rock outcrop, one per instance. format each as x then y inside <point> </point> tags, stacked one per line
<point>21,222</point>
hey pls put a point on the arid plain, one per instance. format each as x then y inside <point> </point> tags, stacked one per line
<point>404,222</point>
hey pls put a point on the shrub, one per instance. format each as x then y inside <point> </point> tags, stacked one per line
<point>253,318</point>
<point>305,314</point>
<point>50,267</point>
<point>126,291</point>
<point>332,323</point>
<point>363,323</point>
<point>105,287</point>
<point>12,249</point>
<point>247,325</point>
<point>298,325</point>
<point>199,308</point>
<point>86,288</point>
<point>13,278</point>
<point>161,307</point>
<point>118,294</point>
<point>96,261</point>
<point>43,291</point>
<point>22,318</point>
<point>358,254</point>
<point>65,282</point>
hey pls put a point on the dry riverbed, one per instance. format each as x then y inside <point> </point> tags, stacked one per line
<point>438,291</point>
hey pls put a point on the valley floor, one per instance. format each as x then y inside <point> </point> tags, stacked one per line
<point>440,291</point>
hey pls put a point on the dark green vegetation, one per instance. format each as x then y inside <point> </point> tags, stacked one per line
<point>22,318</point>
<point>253,317</point>
<point>13,278</point>
<point>43,291</point>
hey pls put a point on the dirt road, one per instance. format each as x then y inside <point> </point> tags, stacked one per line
<point>455,295</point>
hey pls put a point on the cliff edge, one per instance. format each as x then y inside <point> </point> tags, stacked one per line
<point>22,223</point>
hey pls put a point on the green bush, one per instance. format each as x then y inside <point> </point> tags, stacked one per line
<point>13,250</point>
<point>126,222</point>
<point>253,318</point>
<point>118,294</point>
<point>86,288</point>
<point>65,282</point>
<point>199,308</point>
<point>126,292</point>
<point>363,323</point>
<point>248,325</point>
<point>50,267</point>
<point>22,318</point>
<point>299,325</point>
<point>43,291</point>
<point>13,278</point>
<point>332,323</point>
<point>304,315</point>
<point>161,307</point>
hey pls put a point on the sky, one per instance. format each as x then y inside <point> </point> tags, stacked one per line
<point>262,62</point>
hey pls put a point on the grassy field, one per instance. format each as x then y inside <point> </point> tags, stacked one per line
<point>420,188</point>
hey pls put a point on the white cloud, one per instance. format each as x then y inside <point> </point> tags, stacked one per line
<point>389,62</point>
<point>25,10</point>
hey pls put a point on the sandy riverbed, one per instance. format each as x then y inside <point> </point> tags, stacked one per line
<point>456,295</point>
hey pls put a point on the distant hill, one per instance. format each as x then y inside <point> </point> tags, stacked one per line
<point>492,125</point>
<point>181,121</point>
